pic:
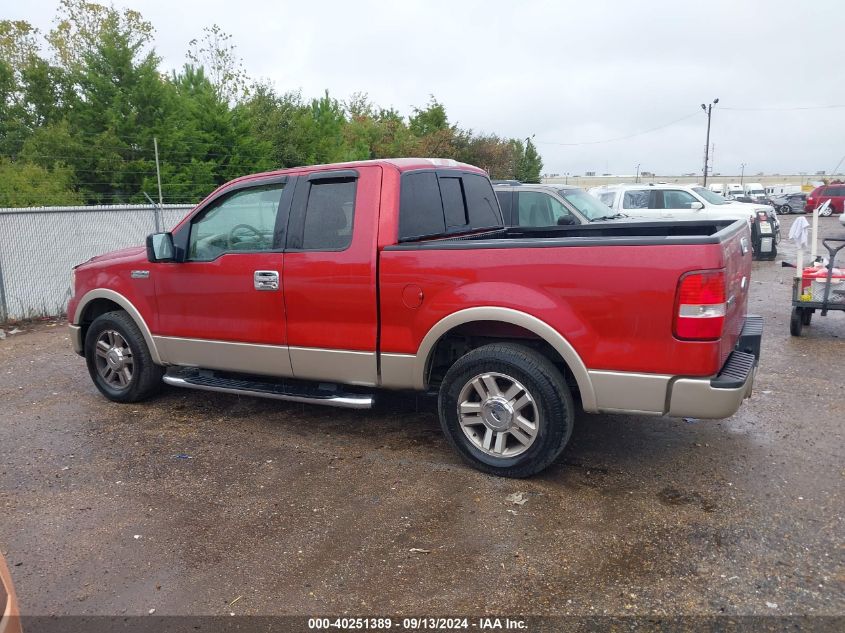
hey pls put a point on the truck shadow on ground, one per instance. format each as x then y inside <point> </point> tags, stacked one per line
<point>405,427</point>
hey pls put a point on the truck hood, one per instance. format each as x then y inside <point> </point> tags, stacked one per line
<point>133,252</point>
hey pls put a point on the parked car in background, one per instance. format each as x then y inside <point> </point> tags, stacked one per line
<point>548,205</point>
<point>717,187</point>
<point>734,190</point>
<point>665,201</point>
<point>9,614</point>
<point>421,287</point>
<point>835,193</point>
<point>790,202</point>
<point>681,202</point>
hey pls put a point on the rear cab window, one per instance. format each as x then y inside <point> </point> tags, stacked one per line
<point>434,203</point>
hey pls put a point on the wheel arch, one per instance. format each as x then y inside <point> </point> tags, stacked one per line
<point>101,300</point>
<point>492,314</point>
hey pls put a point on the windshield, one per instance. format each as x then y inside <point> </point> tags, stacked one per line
<point>710,196</point>
<point>588,205</point>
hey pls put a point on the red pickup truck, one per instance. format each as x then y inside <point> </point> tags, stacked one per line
<point>328,283</point>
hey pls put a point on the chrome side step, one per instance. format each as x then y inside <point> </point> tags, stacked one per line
<point>299,392</point>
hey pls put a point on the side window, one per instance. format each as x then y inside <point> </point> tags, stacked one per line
<point>676,199</point>
<point>454,203</point>
<point>242,221</point>
<point>420,208</point>
<point>482,206</point>
<point>539,209</point>
<point>329,215</point>
<point>607,198</point>
<point>638,199</point>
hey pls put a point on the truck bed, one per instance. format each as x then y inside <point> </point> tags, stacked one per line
<point>621,234</point>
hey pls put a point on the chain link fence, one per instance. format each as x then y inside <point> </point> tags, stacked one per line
<point>40,246</point>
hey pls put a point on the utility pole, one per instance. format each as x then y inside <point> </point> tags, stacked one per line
<point>708,110</point>
<point>637,179</point>
<point>160,198</point>
<point>742,173</point>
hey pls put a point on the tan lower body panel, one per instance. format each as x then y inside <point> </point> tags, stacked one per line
<point>630,392</point>
<point>335,365</point>
<point>269,360</point>
<point>397,371</point>
<point>76,338</point>
<point>344,366</point>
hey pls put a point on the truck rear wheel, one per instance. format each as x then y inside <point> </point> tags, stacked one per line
<point>118,359</point>
<point>506,410</point>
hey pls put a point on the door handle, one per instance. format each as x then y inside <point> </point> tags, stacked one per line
<point>266,279</point>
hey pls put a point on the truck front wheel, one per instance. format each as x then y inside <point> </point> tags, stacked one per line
<point>118,359</point>
<point>506,410</point>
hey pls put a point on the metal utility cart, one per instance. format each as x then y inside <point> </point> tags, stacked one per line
<point>817,289</point>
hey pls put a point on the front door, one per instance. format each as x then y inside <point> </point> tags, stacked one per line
<point>678,204</point>
<point>223,307</point>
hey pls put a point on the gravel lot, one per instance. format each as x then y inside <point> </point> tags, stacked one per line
<point>199,503</point>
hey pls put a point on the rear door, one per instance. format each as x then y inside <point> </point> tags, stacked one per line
<point>330,275</point>
<point>643,203</point>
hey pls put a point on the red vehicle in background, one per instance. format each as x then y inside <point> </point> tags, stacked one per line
<point>328,283</point>
<point>834,192</point>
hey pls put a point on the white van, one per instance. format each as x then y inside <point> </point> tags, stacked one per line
<point>734,190</point>
<point>717,187</point>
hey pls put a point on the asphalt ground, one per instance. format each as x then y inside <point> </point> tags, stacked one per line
<point>199,503</point>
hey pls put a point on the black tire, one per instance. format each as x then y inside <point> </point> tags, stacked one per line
<point>551,403</point>
<point>146,376</point>
<point>807,316</point>
<point>796,321</point>
<point>786,209</point>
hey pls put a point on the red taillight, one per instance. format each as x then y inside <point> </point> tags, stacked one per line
<point>701,305</point>
<point>811,200</point>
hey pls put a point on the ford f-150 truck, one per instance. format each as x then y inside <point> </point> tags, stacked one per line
<point>327,283</point>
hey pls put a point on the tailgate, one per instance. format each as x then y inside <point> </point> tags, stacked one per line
<point>736,257</point>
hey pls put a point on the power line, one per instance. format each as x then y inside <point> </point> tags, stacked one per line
<point>622,138</point>
<point>790,109</point>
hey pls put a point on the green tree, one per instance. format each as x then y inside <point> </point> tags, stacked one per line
<point>29,185</point>
<point>528,164</point>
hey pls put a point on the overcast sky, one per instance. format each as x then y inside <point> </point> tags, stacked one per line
<point>563,72</point>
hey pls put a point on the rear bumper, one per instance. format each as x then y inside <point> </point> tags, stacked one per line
<point>721,396</point>
<point>76,338</point>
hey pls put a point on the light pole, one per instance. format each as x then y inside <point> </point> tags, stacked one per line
<point>638,173</point>
<point>741,173</point>
<point>708,110</point>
